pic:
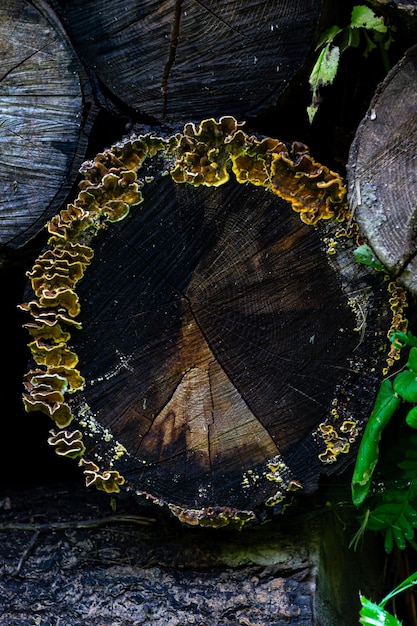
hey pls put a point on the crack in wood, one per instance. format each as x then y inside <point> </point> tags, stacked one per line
<point>24,60</point>
<point>223,21</point>
<point>175,32</point>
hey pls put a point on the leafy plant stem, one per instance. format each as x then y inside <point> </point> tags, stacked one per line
<point>366,27</point>
<point>405,584</point>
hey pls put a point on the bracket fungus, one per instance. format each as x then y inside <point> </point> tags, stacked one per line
<point>225,360</point>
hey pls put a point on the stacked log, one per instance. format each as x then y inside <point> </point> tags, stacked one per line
<point>46,111</point>
<point>200,333</point>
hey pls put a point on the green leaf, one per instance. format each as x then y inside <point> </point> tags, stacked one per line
<point>311,112</point>
<point>400,339</point>
<point>396,518</point>
<point>370,45</point>
<point>322,74</point>
<point>374,615</point>
<point>411,514</point>
<point>411,417</point>
<point>389,39</point>
<point>412,360</point>
<point>394,512</point>
<point>384,516</point>
<point>405,584</point>
<point>406,527</point>
<point>365,255</point>
<point>408,467</point>
<point>411,339</point>
<point>388,541</point>
<point>363,22</point>
<point>364,17</point>
<point>352,39</point>
<point>399,537</point>
<point>328,35</point>
<point>325,70</point>
<point>405,384</point>
<point>385,405</point>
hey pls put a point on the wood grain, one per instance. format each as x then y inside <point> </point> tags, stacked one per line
<point>187,59</point>
<point>382,171</point>
<point>216,336</point>
<point>44,112</point>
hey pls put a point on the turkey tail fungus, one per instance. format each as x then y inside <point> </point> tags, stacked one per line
<point>195,342</point>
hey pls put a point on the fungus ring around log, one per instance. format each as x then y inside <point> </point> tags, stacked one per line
<point>231,364</point>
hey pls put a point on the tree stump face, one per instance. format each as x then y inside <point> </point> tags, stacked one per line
<point>186,60</point>
<point>44,117</point>
<point>382,171</point>
<point>228,358</point>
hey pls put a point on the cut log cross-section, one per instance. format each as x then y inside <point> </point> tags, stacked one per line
<point>229,351</point>
<point>185,60</point>
<point>382,172</point>
<point>45,113</point>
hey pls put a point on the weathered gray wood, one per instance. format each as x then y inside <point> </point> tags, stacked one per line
<point>382,171</point>
<point>186,60</point>
<point>409,6</point>
<point>402,15</point>
<point>44,118</point>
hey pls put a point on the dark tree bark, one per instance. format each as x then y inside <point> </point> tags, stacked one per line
<point>45,114</point>
<point>186,60</point>
<point>67,558</point>
<point>382,171</point>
